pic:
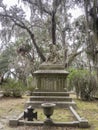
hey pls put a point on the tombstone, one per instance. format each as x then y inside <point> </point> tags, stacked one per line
<point>51,78</point>
<point>51,82</point>
<point>29,114</point>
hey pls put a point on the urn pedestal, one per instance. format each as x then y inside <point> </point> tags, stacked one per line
<point>48,109</point>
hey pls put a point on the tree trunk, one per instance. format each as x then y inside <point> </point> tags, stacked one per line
<point>36,46</point>
<point>53,28</point>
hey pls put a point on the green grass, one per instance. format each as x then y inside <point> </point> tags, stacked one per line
<point>88,110</point>
<point>10,107</point>
<point>59,115</point>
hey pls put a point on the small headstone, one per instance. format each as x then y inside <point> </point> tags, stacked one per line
<point>29,114</point>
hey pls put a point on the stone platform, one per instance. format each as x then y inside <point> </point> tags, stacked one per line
<point>77,122</point>
<point>51,86</point>
<point>61,99</point>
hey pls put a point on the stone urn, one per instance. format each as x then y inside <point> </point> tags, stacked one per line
<point>48,109</point>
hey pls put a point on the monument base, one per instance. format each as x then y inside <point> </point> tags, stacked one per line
<point>51,78</point>
<point>51,86</point>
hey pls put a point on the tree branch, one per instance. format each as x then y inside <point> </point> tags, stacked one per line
<point>46,10</point>
<point>72,56</point>
<point>22,25</point>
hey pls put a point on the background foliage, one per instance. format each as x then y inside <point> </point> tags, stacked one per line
<point>84,83</point>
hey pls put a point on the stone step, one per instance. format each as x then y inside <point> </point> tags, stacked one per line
<point>50,98</point>
<point>37,104</point>
<point>51,93</point>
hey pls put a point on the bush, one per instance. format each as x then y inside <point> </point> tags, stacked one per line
<point>31,85</point>
<point>13,88</point>
<point>6,91</point>
<point>84,83</point>
<point>17,89</point>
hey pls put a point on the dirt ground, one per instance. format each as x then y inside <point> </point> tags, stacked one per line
<point>12,107</point>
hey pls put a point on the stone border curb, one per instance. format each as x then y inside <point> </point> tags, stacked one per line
<point>81,122</point>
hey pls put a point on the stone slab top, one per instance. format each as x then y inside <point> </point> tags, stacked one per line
<point>45,66</point>
<point>51,72</point>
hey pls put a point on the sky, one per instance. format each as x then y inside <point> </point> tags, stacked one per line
<point>10,2</point>
<point>14,2</point>
<point>75,12</point>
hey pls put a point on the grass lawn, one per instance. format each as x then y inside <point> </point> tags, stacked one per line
<point>89,110</point>
<point>59,115</point>
<point>10,108</point>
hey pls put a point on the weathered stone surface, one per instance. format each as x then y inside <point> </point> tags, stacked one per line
<point>84,124</point>
<point>51,94</point>
<point>48,66</point>
<point>59,104</point>
<point>51,78</point>
<point>51,86</point>
<point>50,98</point>
<point>54,55</point>
<point>51,72</point>
<point>48,109</point>
<point>13,122</point>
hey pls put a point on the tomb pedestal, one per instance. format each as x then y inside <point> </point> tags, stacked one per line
<point>51,86</point>
<point>51,78</point>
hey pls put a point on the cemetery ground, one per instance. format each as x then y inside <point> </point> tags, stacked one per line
<point>12,107</point>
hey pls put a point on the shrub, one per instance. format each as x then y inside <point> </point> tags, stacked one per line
<point>84,82</point>
<point>18,89</point>
<point>31,85</point>
<point>13,88</point>
<point>6,91</point>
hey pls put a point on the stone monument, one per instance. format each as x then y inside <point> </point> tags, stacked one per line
<point>51,76</point>
<point>51,81</point>
<point>50,92</point>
